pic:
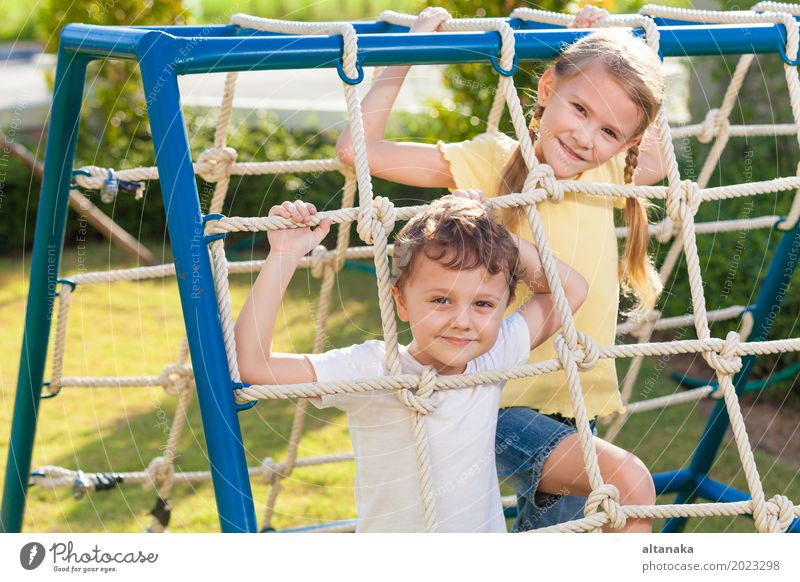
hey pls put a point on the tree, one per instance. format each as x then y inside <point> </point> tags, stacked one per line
<point>113,120</point>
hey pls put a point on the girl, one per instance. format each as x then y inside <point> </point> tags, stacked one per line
<point>594,106</point>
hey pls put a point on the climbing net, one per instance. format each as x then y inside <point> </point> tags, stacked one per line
<point>375,218</point>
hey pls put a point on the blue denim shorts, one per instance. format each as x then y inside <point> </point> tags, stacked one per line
<point>525,439</point>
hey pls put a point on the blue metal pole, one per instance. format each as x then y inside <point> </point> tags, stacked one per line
<point>282,52</point>
<point>765,310</point>
<point>51,218</point>
<point>670,481</point>
<point>212,51</point>
<point>722,493</point>
<point>196,286</point>
<point>364,28</point>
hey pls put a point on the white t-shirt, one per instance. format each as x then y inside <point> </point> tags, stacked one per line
<point>461,433</point>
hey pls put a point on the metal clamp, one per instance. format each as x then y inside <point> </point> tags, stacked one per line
<point>110,188</point>
<point>209,238</point>
<point>786,59</point>
<point>246,405</point>
<point>501,70</point>
<point>343,76</point>
<point>65,281</point>
<point>52,394</point>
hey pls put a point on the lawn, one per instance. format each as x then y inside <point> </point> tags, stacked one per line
<point>135,328</point>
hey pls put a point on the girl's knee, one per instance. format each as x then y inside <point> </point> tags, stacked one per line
<point>627,473</point>
<point>635,483</point>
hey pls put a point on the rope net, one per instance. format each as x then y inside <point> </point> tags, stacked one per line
<point>375,218</point>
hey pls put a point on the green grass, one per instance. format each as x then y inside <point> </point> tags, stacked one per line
<point>135,328</point>
<point>665,440</point>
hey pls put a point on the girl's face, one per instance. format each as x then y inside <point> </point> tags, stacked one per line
<point>588,119</point>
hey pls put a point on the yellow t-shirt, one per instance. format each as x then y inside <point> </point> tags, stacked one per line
<point>580,230</point>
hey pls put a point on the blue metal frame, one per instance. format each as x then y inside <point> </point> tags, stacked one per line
<point>163,53</point>
<point>228,48</point>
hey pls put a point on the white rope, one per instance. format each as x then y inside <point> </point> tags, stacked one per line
<point>51,477</point>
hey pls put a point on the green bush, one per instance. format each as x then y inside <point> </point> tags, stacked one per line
<point>19,198</point>
<point>263,138</point>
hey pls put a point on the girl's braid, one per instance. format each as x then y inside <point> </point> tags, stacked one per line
<point>631,160</point>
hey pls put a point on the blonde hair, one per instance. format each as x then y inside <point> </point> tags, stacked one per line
<point>458,234</point>
<point>638,70</point>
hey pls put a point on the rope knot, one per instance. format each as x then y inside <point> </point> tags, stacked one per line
<point>422,399</point>
<point>607,498</point>
<point>157,473</point>
<point>176,378</point>
<point>586,355</point>
<point>780,514</point>
<point>544,176</point>
<point>214,164</point>
<point>591,353</point>
<point>682,199</point>
<point>714,125</point>
<point>320,259</point>
<point>270,475</point>
<point>273,471</point>
<point>563,352</point>
<point>726,361</point>
<point>377,219</point>
<point>693,196</point>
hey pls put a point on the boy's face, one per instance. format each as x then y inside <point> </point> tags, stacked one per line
<point>455,316</point>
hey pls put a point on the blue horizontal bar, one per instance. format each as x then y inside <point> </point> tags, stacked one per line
<point>672,22</point>
<point>282,52</point>
<point>320,527</point>
<point>216,52</point>
<point>671,481</point>
<point>721,493</point>
<point>363,28</point>
<point>103,41</point>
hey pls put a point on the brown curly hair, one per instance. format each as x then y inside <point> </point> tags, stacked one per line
<point>457,233</point>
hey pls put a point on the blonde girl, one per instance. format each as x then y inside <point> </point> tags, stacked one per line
<point>594,106</point>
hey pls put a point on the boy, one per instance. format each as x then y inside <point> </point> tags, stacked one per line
<point>455,273</point>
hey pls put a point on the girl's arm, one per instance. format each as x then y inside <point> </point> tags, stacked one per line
<point>413,164</point>
<point>256,322</point>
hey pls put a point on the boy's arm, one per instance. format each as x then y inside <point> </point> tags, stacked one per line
<point>256,322</point>
<point>413,164</point>
<point>540,312</point>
